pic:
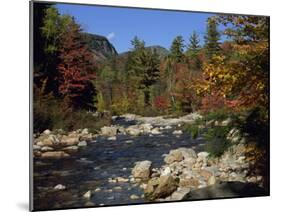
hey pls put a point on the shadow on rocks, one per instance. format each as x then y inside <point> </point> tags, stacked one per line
<point>227,190</point>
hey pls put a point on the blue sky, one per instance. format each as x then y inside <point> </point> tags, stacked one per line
<point>120,25</point>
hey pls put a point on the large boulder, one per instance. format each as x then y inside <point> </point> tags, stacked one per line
<point>187,153</point>
<point>54,155</point>
<point>142,170</point>
<point>174,156</point>
<point>160,187</point>
<point>189,182</point>
<point>180,154</point>
<point>47,140</point>
<point>109,131</point>
<point>70,140</point>
<point>202,157</point>
<point>205,173</point>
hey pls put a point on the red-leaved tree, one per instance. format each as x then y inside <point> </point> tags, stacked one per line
<point>76,69</point>
<point>161,103</point>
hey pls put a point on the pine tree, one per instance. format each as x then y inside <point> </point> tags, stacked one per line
<point>212,37</point>
<point>194,42</point>
<point>76,69</point>
<point>177,49</point>
<point>143,64</point>
<point>192,52</point>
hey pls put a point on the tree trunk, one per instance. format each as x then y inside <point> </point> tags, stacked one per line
<point>146,97</point>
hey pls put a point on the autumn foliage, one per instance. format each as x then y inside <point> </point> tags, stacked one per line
<point>161,103</point>
<point>76,69</point>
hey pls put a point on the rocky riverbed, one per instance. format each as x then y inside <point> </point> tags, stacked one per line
<point>136,160</point>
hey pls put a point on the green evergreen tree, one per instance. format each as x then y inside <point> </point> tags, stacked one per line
<point>212,37</point>
<point>143,64</point>
<point>194,42</point>
<point>192,53</point>
<point>177,49</point>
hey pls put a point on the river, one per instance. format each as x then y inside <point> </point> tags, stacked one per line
<point>102,159</point>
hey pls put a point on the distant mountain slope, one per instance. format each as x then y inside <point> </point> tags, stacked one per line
<point>102,49</point>
<point>161,51</point>
<point>100,46</point>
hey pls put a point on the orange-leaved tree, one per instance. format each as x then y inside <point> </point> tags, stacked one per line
<point>76,69</point>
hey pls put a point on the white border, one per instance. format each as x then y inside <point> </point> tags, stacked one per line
<point>14,88</point>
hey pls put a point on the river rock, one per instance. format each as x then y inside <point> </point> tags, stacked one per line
<point>174,156</point>
<point>134,130</point>
<point>112,138</point>
<point>151,185</point>
<point>97,189</point>
<point>46,149</point>
<point>226,122</point>
<point>133,196</point>
<point>177,132</point>
<point>122,180</point>
<point>89,204</point>
<point>70,140</point>
<point>37,153</point>
<point>36,147</point>
<point>160,187</point>
<point>212,180</point>
<point>109,131</point>
<point>142,170</point>
<point>155,131</point>
<point>146,128</point>
<point>47,132</point>
<point>87,195</point>
<point>202,157</point>
<point>70,149</point>
<point>60,187</point>
<point>205,173</point>
<point>189,182</point>
<point>47,140</point>
<point>87,137</point>
<point>85,131</point>
<point>129,117</point>
<point>187,153</point>
<point>82,144</point>
<point>129,141</point>
<point>166,171</point>
<point>180,194</point>
<point>54,155</point>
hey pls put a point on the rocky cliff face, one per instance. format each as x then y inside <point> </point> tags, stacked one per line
<point>102,49</point>
<point>100,46</point>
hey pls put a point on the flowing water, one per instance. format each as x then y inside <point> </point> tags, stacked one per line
<point>102,159</point>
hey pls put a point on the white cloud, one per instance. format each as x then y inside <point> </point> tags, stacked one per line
<point>110,36</point>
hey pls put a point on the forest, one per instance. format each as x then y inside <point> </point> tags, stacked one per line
<point>224,76</point>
